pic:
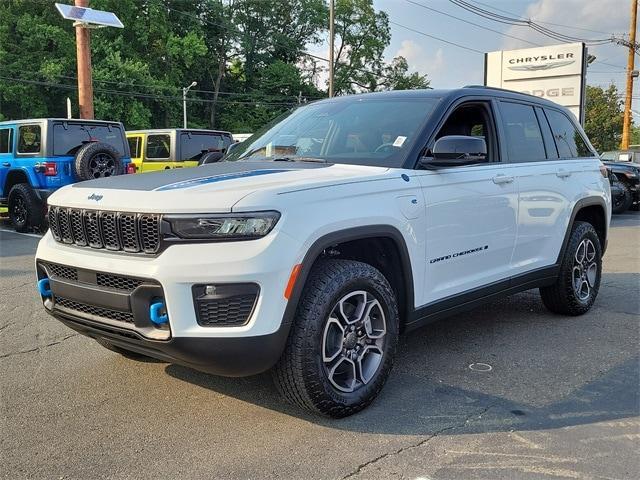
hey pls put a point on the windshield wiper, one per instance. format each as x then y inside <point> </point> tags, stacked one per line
<point>298,159</point>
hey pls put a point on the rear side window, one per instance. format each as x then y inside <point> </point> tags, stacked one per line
<point>29,139</point>
<point>158,147</point>
<point>69,137</point>
<point>522,131</point>
<point>135,146</point>
<point>567,137</point>
<point>193,145</point>
<point>5,140</point>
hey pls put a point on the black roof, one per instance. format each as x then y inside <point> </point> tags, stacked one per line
<point>469,90</point>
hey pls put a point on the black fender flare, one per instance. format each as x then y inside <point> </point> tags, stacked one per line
<point>348,235</point>
<point>580,204</point>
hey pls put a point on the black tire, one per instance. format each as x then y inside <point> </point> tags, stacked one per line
<point>210,157</point>
<point>26,210</point>
<point>564,297</point>
<point>97,160</point>
<point>622,203</point>
<point>125,353</point>
<point>302,375</point>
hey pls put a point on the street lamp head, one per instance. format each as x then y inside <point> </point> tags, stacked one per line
<point>193,84</point>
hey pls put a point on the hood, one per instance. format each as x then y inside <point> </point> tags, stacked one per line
<point>214,188</point>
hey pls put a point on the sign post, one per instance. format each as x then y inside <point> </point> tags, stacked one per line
<point>556,72</point>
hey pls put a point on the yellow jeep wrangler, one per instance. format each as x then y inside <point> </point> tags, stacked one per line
<point>161,149</point>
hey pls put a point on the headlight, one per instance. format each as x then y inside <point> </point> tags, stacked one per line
<point>239,226</point>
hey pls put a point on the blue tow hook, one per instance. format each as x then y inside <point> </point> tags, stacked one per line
<point>154,313</point>
<point>44,287</point>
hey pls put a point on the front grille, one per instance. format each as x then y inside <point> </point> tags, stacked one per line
<point>93,310</point>
<point>117,231</point>
<point>225,312</point>
<point>62,271</point>
<point>117,282</point>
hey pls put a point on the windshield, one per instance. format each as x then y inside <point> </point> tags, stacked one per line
<point>359,131</point>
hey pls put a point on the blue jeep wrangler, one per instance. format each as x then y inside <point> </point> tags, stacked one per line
<point>42,155</point>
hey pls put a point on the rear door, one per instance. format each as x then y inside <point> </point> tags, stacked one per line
<point>545,183</point>
<point>157,152</point>
<point>6,156</point>
<point>471,212</point>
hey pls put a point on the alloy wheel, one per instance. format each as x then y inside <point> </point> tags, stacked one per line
<point>585,269</point>
<point>102,165</point>
<point>353,341</point>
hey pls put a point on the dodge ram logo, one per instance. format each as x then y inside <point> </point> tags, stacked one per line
<point>95,197</point>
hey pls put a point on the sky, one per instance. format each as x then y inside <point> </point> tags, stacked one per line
<point>449,66</point>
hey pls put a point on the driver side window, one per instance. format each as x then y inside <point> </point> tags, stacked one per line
<point>472,119</point>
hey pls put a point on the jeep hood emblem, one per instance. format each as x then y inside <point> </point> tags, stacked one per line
<point>94,196</point>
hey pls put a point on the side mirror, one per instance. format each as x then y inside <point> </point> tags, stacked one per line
<point>457,150</point>
<point>232,147</point>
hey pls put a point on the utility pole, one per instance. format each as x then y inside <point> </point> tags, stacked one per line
<point>331,35</point>
<point>83,52</point>
<point>626,126</point>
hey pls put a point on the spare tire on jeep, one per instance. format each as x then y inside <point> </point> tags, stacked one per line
<point>97,160</point>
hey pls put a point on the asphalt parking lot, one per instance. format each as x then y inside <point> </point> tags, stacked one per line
<point>560,400</point>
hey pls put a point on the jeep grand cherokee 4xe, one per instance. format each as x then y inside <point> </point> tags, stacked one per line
<point>339,226</point>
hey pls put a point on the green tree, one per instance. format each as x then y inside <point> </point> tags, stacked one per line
<point>603,117</point>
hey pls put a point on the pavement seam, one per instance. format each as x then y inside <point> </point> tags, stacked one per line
<point>6,355</point>
<point>368,463</point>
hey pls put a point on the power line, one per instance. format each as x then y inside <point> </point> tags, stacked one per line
<point>546,23</point>
<point>436,38</point>
<point>510,20</point>
<point>145,95</point>
<point>472,23</point>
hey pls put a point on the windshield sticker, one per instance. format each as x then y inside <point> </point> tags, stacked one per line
<point>217,178</point>
<point>399,141</point>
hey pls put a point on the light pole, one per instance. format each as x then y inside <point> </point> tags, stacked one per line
<point>184,102</point>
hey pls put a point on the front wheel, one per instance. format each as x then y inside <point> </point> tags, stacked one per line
<point>621,203</point>
<point>341,347</point>
<point>578,283</point>
<point>26,210</point>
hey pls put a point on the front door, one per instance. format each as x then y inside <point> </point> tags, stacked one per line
<point>471,213</point>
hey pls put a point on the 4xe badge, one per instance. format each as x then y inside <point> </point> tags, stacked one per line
<point>94,196</point>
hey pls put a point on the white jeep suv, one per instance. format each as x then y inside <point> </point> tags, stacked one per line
<point>319,240</point>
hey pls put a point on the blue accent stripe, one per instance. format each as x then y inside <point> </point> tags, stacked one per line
<point>218,178</point>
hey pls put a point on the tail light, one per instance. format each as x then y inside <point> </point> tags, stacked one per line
<point>50,169</point>
<point>131,168</point>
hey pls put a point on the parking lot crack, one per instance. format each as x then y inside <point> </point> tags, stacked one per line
<point>421,443</point>
<point>42,347</point>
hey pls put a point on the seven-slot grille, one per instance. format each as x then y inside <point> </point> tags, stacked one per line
<point>118,231</point>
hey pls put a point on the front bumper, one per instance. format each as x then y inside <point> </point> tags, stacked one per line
<point>230,357</point>
<point>171,277</point>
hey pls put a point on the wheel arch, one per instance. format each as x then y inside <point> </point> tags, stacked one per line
<point>401,281</point>
<point>15,176</point>
<point>592,210</point>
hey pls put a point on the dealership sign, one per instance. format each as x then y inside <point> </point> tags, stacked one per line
<point>556,72</point>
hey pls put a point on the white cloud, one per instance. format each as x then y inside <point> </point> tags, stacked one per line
<point>419,60</point>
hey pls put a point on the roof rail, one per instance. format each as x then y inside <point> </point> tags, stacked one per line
<point>500,90</point>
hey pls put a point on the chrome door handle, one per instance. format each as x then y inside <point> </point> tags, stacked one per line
<point>562,173</point>
<point>6,164</point>
<point>501,179</point>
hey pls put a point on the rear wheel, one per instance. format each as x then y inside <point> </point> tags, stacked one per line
<point>26,210</point>
<point>341,347</point>
<point>578,283</point>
